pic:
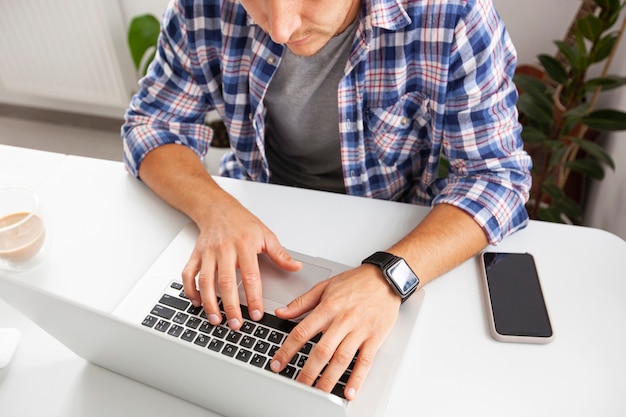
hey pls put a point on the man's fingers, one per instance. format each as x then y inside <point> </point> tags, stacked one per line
<point>251,280</point>
<point>281,257</point>
<point>227,285</point>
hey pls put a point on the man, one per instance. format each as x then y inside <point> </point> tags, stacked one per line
<point>353,96</point>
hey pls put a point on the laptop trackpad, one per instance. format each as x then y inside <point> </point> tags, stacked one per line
<point>280,287</point>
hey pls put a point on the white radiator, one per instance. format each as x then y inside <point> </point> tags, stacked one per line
<point>71,50</point>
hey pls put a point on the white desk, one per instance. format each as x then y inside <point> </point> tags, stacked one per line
<point>457,368</point>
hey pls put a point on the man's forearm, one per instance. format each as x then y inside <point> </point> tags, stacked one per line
<point>177,175</point>
<point>445,238</point>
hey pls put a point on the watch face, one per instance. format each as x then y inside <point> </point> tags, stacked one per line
<point>402,276</point>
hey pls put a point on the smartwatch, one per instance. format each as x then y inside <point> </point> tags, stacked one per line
<point>396,271</point>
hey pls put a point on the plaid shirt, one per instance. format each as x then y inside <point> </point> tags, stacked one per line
<point>424,78</point>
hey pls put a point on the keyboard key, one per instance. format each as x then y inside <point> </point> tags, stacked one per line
<point>162,325</point>
<point>247,327</point>
<point>176,285</point>
<point>174,302</point>
<point>276,337</point>
<point>289,372</point>
<point>338,390</point>
<point>258,360</point>
<point>247,341</point>
<point>261,332</point>
<point>233,336</point>
<point>271,321</point>
<point>301,361</point>
<point>261,346</point>
<point>149,321</point>
<point>180,318</point>
<point>243,355</point>
<point>202,340</point>
<point>230,350</point>
<point>193,310</point>
<point>273,351</point>
<point>193,322</point>
<point>215,345</point>
<point>164,312</point>
<point>189,335</point>
<point>175,330</point>
<point>205,327</point>
<point>220,331</point>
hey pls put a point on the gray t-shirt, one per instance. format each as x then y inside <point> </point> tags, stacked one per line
<point>302,140</point>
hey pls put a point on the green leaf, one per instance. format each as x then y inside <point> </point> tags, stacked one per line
<point>143,33</point>
<point>602,49</point>
<point>561,203</point>
<point>573,56</point>
<point>534,111</point>
<point>594,150</point>
<point>554,68</point>
<point>605,120</point>
<point>568,207</point>
<point>444,167</point>
<point>590,27</point>
<point>550,214</point>
<point>557,157</point>
<point>536,89</point>
<point>573,116</point>
<point>605,83</point>
<point>588,167</point>
<point>531,85</point>
<point>531,134</point>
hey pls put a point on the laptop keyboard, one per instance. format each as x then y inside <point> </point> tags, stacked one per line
<point>254,343</point>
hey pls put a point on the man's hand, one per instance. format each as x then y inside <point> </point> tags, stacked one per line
<point>230,236</point>
<point>355,311</point>
<point>230,240</point>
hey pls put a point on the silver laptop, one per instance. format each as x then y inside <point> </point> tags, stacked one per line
<point>157,337</point>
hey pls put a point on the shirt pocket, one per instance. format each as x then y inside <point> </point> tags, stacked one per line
<point>397,130</point>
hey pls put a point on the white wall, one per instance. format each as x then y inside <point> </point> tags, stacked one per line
<point>132,8</point>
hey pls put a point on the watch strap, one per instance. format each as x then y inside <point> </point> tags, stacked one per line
<point>383,260</point>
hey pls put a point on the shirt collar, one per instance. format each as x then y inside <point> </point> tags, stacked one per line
<point>389,14</point>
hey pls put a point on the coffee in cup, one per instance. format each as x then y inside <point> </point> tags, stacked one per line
<point>22,230</point>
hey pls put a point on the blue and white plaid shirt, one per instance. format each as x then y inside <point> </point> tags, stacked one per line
<point>424,77</point>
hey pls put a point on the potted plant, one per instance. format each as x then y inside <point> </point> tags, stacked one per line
<point>557,105</point>
<point>142,36</point>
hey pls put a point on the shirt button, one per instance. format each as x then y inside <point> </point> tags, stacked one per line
<point>271,60</point>
<point>404,121</point>
<point>250,116</point>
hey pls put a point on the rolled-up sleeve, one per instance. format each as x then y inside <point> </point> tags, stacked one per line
<point>171,105</point>
<point>489,169</point>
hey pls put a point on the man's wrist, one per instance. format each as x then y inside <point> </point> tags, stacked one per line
<point>396,271</point>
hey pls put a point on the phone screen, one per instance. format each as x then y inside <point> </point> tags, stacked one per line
<point>517,303</point>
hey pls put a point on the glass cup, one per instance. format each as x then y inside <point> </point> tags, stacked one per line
<point>22,229</point>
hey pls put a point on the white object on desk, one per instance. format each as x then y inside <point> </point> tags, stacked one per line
<point>9,339</point>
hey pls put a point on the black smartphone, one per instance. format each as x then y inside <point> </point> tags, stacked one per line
<point>517,308</point>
